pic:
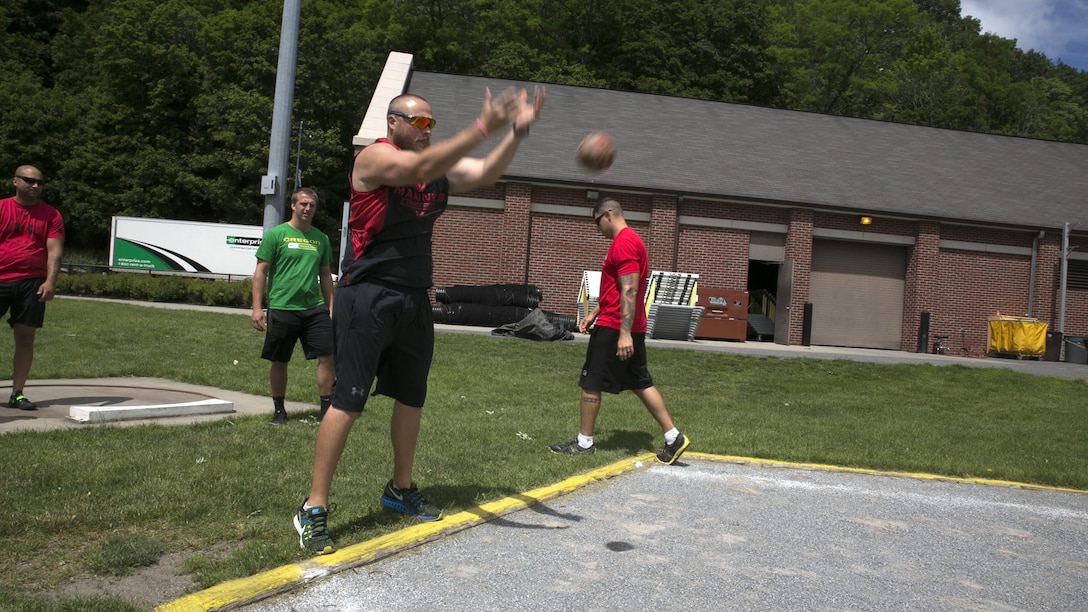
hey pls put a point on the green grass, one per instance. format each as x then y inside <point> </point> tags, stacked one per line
<point>105,500</point>
<point>119,555</point>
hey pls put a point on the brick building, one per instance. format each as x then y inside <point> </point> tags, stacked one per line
<point>960,225</point>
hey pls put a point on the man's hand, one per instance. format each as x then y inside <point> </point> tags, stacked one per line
<point>469,172</point>
<point>46,291</point>
<point>258,319</point>
<point>499,110</point>
<point>583,325</point>
<point>527,113</point>
<point>625,347</point>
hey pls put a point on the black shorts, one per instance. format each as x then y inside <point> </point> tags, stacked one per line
<point>381,332</point>
<point>604,371</point>
<point>21,297</point>
<point>286,327</point>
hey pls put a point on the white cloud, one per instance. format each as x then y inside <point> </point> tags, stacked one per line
<point>1056,28</point>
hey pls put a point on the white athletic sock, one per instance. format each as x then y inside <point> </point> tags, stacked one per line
<point>585,441</point>
<point>670,435</point>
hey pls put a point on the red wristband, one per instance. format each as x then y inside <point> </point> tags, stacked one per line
<point>483,128</point>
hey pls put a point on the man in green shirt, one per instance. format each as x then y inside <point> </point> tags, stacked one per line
<point>294,262</point>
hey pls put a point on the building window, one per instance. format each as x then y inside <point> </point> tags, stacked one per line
<point>1077,274</point>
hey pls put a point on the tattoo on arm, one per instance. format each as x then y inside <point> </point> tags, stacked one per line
<point>628,297</point>
<point>54,267</point>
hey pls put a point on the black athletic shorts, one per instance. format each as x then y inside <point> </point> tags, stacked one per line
<point>385,333</point>
<point>286,327</point>
<point>21,297</point>
<point>604,371</point>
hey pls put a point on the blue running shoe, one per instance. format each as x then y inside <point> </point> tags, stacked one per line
<point>409,501</point>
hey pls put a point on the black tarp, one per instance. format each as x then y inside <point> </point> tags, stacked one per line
<point>480,315</point>
<point>536,326</point>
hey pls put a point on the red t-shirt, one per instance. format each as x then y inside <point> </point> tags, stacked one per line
<point>626,255</point>
<point>23,232</point>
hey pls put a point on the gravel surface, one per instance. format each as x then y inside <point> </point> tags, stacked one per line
<point>713,535</point>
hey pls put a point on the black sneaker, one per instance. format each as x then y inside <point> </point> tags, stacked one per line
<point>572,448</point>
<point>409,501</point>
<point>18,400</point>
<point>671,452</point>
<point>279,417</point>
<point>313,531</point>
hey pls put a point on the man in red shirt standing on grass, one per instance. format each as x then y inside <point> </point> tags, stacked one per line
<point>31,245</point>
<point>616,356</point>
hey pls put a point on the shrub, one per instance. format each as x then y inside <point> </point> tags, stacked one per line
<point>168,289</point>
<point>163,288</point>
<point>222,293</point>
<point>76,284</point>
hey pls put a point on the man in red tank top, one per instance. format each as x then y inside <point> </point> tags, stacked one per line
<point>382,312</point>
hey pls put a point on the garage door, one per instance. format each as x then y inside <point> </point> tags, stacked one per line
<point>856,292</point>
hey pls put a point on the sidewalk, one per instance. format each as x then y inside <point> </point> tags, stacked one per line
<point>1057,369</point>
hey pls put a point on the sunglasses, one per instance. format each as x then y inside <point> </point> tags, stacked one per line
<point>597,219</point>
<point>419,121</point>
<point>30,181</point>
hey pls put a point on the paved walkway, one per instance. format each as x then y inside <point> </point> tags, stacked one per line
<point>1057,369</point>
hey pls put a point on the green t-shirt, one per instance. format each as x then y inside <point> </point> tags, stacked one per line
<point>296,258</point>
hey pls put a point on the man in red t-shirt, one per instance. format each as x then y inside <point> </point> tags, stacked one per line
<point>616,357</point>
<point>31,244</point>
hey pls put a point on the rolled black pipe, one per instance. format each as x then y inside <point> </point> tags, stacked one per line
<point>526,296</point>
<point>484,315</point>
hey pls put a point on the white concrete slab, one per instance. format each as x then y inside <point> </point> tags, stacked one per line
<point>103,414</point>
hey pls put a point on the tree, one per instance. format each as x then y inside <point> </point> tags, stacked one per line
<point>162,108</point>
<point>691,48</point>
<point>927,84</point>
<point>833,55</point>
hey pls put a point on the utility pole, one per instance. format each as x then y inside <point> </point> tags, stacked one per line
<point>273,184</point>
<point>298,158</point>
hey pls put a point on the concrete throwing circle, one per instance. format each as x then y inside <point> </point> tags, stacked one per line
<point>77,404</point>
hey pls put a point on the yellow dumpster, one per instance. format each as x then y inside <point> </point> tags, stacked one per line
<point>1016,337</point>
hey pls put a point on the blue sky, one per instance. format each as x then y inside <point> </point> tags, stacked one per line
<point>1055,28</point>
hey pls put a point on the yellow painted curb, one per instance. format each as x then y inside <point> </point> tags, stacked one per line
<point>919,475</point>
<point>282,579</point>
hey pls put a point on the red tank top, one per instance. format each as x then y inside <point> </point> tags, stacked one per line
<point>389,232</point>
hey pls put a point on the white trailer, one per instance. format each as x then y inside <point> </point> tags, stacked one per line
<point>184,246</point>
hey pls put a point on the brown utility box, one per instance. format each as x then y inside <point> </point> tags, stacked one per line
<point>725,314</point>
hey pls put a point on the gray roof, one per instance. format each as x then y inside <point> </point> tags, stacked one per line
<point>749,153</point>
